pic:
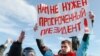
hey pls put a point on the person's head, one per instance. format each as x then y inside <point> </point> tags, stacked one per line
<point>66,46</point>
<point>28,51</point>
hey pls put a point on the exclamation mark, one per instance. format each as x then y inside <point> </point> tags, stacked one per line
<point>85,22</point>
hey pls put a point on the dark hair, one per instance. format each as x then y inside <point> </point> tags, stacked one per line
<point>28,48</point>
<point>68,42</point>
<point>65,41</point>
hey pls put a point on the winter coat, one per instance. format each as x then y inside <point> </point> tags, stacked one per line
<point>15,49</point>
<point>2,49</point>
<point>43,49</point>
<point>83,46</point>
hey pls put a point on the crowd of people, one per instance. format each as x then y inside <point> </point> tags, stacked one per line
<point>68,48</point>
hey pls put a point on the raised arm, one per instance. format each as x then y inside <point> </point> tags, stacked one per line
<point>85,40</point>
<point>16,47</point>
<point>41,46</point>
<point>4,46</point>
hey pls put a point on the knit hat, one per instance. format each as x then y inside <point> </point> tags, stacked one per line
<point>27,50</point>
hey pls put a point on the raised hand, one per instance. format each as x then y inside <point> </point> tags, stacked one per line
<point>8,41</point>
<point>35,28</point>
<point>91,15</point>
<point>21,37</point>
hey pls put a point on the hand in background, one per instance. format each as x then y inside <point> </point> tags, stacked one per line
<point>8,41</point>
<point>21,37</point>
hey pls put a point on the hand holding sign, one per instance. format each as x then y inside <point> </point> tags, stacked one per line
<point>91,15</point>
<point>35,27</point>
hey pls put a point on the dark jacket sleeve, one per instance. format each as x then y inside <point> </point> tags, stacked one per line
<point>85,37</point>
<point>2,49</point>
<point>41,46</point>
<point>75,42</point>
<point>15,49</point>
<point>83,46</point>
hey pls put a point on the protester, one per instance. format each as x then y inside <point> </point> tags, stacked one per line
<point>66,49</point>
<point>16,48</point>
<point>28,51</point>
<point>85,41</point>
<point>84,44</point>
<point>4,46</point>
<point>43,49</point>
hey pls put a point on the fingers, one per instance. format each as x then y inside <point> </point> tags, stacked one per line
<point>21,37</point>
<point>35,28</point>
<point>8,41</point>
<point>91,15</point>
